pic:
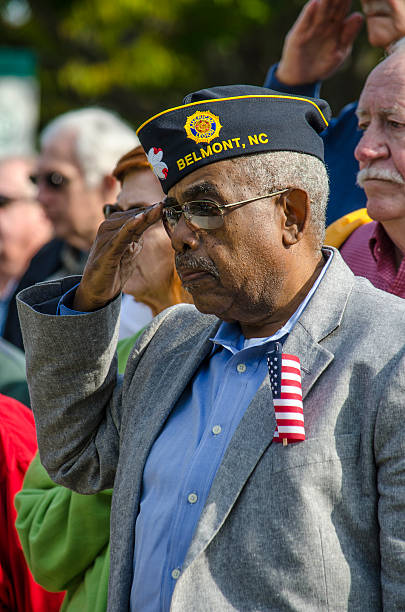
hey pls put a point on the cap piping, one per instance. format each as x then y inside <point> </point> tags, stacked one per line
<point>211,100</point>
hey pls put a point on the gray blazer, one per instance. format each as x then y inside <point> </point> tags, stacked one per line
<point>318,525</point>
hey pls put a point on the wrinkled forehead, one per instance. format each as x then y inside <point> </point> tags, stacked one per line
<point>385,85</point>
<point>59,147</point>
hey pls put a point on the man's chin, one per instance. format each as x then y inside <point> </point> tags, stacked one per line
<point>208,302</point>
<point>383,208</point>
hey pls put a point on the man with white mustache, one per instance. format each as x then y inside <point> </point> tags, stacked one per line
<point>314,48</point>
<point>376,250</point>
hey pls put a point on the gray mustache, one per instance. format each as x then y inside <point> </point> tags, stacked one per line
<point>379,173</point>
<point>184,262</point>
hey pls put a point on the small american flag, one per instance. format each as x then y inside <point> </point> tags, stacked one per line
<point>285,381</point>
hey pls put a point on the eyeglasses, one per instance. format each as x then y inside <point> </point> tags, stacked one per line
<point>4,200</point>
<point>204,214</point>
<point>109,209</point>
<point>53,180</point>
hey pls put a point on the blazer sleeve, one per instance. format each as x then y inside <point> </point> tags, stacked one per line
<point>389,449</point>
<point>74,386</point>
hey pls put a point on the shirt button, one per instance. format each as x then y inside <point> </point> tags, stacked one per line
<point>216,429</point>
<point>176,574</point>
<point>192,498</point>
<point>241,368</point>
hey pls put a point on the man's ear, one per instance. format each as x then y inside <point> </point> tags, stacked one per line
<point>296,208</point>
<point>109,187</point>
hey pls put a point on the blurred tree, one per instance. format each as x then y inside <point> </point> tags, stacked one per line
<point>138,56</point>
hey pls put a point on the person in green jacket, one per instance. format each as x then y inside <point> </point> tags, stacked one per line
<point>65,535</point>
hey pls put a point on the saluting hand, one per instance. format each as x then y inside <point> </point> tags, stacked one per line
<point>111,259</point>
<point>319,41</point>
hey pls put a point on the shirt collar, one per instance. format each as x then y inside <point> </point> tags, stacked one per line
<point>229,335</point>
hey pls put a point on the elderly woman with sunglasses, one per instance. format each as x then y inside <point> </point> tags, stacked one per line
<point>65,536</point>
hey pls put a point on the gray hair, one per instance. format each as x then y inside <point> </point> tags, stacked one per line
<point>102,137</point>
<point>279,169</point>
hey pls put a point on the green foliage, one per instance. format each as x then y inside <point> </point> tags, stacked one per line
<point>139,56</point>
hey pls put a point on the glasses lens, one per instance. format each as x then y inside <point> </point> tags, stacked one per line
<point>170,217</point>
<point>54,180</point>
<point>203,214</point>
<point>4,200</point>
<point>109,209</point>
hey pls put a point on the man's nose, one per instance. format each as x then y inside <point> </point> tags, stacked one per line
<point>372,145</point>
<point>183,237</point>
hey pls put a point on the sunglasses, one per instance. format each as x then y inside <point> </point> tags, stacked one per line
<point>109,209</point>
<point>204,214</point>
<point>5,200</point>
<point>53,180</point>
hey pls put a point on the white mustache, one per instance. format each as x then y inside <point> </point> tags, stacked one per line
<point>382,174</point>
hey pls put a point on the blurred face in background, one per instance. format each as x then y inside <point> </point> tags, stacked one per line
<point>381,150</point>
<point>152,280</point>
<point>24,227</point>
<point>74,209</point>
<point>385,21</point>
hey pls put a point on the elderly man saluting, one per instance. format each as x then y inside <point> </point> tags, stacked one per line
<point>255,443</point>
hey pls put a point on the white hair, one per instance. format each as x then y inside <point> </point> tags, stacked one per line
<point>102,137</point>
<point>276,170</point>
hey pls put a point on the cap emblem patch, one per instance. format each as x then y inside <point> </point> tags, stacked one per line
<point>155,160</point>
<point>202,126</point>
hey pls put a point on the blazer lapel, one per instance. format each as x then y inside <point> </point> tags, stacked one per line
<point>179,370</point>
<point>313,357</point>
<point>321,317</point>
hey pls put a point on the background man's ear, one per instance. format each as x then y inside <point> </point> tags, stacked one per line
<point>109,187</point>
<point>296,209</point>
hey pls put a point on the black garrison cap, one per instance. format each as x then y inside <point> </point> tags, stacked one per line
<point>223,122</point>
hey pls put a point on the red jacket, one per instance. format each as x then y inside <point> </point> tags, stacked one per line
<point>18,444</point>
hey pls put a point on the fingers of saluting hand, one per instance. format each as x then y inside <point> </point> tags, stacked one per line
<point>118,241</point>
<point>124,228</point>
<point>320,14</point>
<point>333,10</point>
<point>351,28</point>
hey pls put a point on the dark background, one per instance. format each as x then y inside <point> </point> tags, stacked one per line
<point>140,56</point>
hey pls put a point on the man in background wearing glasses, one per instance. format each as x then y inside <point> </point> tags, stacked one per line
<point>79,150</point>
<point>256,450</point>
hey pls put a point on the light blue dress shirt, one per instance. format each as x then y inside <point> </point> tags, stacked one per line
<point>185,457</point>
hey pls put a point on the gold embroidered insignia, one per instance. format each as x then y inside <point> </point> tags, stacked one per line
<point>202,126</point>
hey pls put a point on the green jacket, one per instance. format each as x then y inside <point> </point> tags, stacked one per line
<point>65,535</point>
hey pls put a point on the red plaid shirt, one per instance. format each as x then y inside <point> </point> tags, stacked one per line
<point>369,252</point>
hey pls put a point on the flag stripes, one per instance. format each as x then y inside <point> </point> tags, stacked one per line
<point>285,381</point>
